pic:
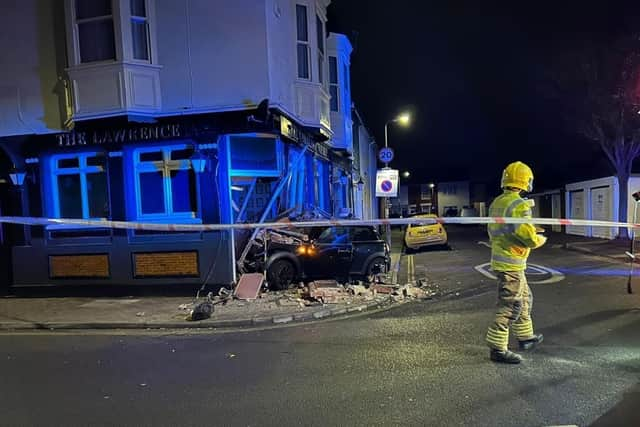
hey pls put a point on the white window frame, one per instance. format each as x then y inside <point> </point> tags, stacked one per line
<point>76,32</point>
<point>306,43</point>
<point>83,169</point>
<point>147,21</point>
<point>166,165</point>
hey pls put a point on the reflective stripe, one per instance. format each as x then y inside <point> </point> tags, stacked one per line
<point>507,260</point>
<point>512,207</point>
<point>497,339</point>
<point>501,230</point>
<point>523,330</point>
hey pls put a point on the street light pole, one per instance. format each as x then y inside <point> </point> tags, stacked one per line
<point>404,120</point>
<point>386,199</point>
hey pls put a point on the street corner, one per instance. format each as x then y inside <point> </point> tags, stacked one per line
<point>536,274</point>
<point>315,301</point>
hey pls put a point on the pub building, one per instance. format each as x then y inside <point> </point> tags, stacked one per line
<point>150,111</point>
<point>242,166</point>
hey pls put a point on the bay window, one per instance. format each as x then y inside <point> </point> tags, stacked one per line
<point>320,34</point>
<point>140,30</point>
<point>96,38</point>
<point>302,46</point>
<point>333,83</point>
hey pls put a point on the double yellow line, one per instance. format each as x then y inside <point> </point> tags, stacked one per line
<point>411,269</point>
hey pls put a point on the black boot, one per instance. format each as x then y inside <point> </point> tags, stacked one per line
<point>505,357</point>
<point>531,343</point>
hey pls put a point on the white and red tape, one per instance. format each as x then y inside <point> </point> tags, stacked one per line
<point>90,223</point>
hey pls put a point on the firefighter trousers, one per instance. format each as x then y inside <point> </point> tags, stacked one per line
<point>514,310</point>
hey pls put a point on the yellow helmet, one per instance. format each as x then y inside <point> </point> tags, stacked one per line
<point>518,175</point>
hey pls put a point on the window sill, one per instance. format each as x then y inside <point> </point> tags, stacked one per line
<point>103,64</point>
<point>177,219</point>
<point>55,227</point>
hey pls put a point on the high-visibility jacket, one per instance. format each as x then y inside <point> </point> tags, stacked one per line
<point>511,243</point>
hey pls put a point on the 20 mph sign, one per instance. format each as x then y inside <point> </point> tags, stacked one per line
<point>387,183</point>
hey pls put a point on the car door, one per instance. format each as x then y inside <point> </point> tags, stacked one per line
<point>366,244</point>
<point>333,254</point>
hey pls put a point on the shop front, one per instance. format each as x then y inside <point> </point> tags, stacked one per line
<point>186,171</point>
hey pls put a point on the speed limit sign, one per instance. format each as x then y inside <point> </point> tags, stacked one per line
<point>385,155</point>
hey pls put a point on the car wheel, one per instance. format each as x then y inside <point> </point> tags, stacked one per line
<point>281,274</point>
<point>377,266</point>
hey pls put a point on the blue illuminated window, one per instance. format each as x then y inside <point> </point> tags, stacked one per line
<point>166,187</point>
<point>79,187</point>
<point>255,156</point>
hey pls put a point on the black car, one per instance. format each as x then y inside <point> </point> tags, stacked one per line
<point>340,253</point>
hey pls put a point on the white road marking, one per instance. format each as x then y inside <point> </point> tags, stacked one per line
<point>533,270</point>
<point>485,244</point>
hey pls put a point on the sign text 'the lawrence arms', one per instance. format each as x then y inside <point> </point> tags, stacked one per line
<point>111,136</point>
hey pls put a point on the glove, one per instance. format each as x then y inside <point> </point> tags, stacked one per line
<point>541,241</point>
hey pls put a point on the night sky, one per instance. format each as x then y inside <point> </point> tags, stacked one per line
<point>471,74</point>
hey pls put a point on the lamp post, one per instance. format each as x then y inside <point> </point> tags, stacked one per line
<point>432,186</point>
<point>403,119</point>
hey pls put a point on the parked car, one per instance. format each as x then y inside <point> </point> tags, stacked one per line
<point>420,236</point>
<point>340,253</point>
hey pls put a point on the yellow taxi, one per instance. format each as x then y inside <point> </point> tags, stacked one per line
<point>419,236</point>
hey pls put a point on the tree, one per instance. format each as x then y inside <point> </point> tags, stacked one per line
<point>597,86</point>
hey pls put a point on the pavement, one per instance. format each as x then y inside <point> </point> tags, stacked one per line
<point>614,249</point>
<point>161,312</point>
<point>63,309</point>
<point>417,364</point>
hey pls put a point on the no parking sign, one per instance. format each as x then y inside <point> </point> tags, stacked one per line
<point>387,183</point>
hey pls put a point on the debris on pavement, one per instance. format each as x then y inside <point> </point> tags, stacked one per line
<point>140,313</point>
<point>304,296</point>
<point>248,288</point>
<point>384,289</point>
<point>202,310</point>
<point>327,291</point>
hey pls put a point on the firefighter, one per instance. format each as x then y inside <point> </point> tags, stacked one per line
<point>510,248</point>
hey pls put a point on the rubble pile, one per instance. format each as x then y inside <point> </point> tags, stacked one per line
<point>315,294</point>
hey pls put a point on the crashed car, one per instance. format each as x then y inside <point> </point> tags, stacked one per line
<point>341,253</point>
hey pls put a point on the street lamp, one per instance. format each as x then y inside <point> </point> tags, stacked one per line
<point>432,186</point>
<point>403,119</point>
<point>406,174</point>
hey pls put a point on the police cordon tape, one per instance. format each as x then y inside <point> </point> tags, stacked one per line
<point>132,225</point>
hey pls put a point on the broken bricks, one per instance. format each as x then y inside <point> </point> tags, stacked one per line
<point>327,291</point>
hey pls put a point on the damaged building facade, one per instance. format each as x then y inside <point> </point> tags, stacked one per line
<point>162,111</point>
